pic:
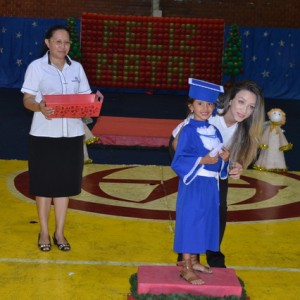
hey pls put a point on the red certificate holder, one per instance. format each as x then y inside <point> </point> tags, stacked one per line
<point>74,105</point>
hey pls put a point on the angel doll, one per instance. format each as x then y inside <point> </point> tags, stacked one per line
<point>274,144</point>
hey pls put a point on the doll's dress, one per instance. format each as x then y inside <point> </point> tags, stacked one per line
<point>274,144</point>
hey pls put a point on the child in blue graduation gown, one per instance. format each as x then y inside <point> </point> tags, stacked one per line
<point>200,160</point>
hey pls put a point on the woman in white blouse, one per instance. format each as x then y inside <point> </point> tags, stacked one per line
<point>55,145</point>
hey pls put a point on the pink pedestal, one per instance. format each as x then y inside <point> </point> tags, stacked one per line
<point>130,297</point>
<point>166,280</point>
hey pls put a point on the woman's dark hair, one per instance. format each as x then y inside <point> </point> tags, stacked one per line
<point>49,35</point>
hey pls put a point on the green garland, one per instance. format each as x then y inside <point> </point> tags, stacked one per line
<point>232,61</point>
<point>75,51</point>
<point>133,291</point>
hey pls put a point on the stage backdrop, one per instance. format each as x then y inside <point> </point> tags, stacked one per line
<point>21,41</point>
<point>271,58</point>
<point>150,52</point>
<point>271,55</point>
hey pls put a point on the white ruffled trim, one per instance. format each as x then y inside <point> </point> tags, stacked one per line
<point>223,163</point>
<point>192,171</point>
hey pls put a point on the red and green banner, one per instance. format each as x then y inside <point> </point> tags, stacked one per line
<point>150,52</point>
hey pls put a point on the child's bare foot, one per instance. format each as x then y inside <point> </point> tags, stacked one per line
<point>191,277</point>
<point>199,267</point>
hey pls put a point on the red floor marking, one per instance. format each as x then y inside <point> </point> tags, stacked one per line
<point>264,191</point>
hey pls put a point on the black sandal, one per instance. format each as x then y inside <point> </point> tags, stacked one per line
<point>44,247</point>
<point>62,247</point>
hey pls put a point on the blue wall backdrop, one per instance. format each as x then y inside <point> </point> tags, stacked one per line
<point>272,59</point>
<point>21,41</point>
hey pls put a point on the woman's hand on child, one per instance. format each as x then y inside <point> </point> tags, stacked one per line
<point>236,170</point>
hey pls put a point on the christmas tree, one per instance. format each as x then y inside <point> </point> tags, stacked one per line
<point>75,52</point>
<point>232,62</point>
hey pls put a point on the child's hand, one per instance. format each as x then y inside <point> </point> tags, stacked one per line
<point>225,154</point>
<point>208,160</point>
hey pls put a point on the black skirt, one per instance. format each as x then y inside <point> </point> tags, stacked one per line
<point>55,166</point>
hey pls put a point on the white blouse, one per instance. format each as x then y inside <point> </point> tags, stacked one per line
<point>44,78</point>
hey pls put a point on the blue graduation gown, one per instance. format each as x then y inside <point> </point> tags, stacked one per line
<point>197,206</point>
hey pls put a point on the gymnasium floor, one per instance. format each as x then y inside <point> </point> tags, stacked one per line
<point>124,218</point>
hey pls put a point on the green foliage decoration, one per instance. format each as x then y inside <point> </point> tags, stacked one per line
<point>75,51</point>
<point>232,60</point>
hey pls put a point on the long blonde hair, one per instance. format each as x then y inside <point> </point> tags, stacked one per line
<point>247,137</point>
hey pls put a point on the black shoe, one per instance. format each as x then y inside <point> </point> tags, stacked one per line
<point>215,259</point>
<point>62,247</point>
<point>44,247</point>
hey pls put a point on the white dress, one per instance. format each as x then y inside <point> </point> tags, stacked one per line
<point>274,143</point>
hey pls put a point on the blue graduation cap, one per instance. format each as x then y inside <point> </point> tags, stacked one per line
<point>203,90</point>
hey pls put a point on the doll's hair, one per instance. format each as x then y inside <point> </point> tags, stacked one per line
<point>247,137</point>
<point>281,112</point>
